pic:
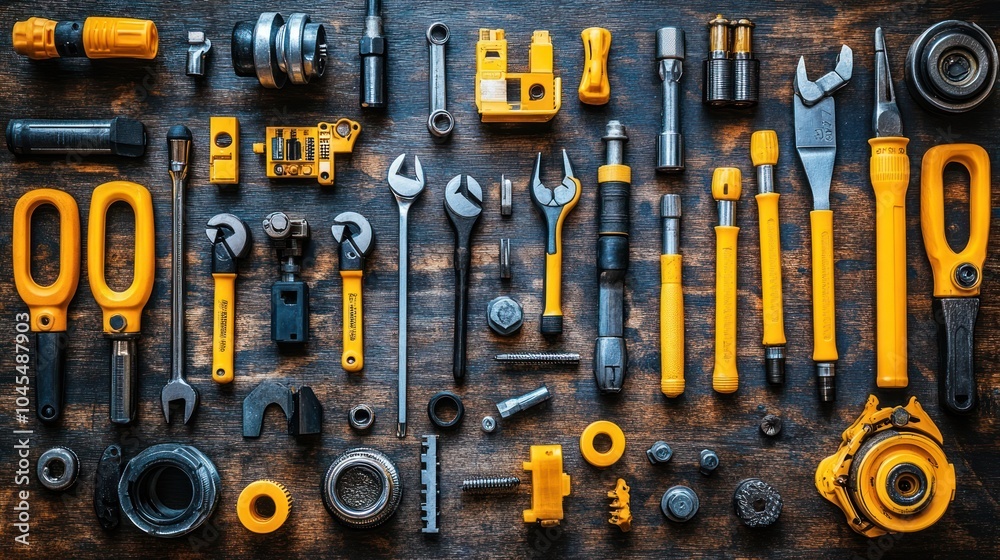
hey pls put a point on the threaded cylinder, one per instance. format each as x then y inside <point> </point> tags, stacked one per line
<point>718,86</point>
<point>746,80</point>
<point>490,484</point>
<point>539,358</point>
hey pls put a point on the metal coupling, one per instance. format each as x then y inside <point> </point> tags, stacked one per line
<point>952,67</point>
<point>539,358</point>
<point>362,488</point>
<point>361,417</point>
<point>373,50</point>
<point>679,504</point>
<point>504,316</point>
<point>717,90</point>
<point>289,238</point>
<point>275,50</point>
<point>660,452</point>
<point>757,503</point>
<point>198,48</point>
<point>144,502</point>
<point>515,405</point>
<point>670,62</point>
<point>440,123</point>
<point>746,67</point>
<point>58,468</point>
<point>708,461</point>
<point>490,484</point>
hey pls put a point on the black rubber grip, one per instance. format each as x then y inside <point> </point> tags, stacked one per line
<point>50,374</point>
<point>956,319</point>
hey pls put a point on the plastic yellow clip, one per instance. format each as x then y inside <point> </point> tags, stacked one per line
<point>307,152</point>
<point>537,96</point>
<point>224,152</point>
<point>595,89</point>
<point>549,485</point>
<point>621,514</point>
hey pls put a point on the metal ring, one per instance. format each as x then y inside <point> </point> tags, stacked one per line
<point>291,38</point>
<point>265,50</point>
<point>435,403</point>
<point>361,488</point>
<point>361,417</point>
<point>438,33</point>
<point>47,465</point>
<point>922,67</point>
<point>154,510</point>
<point>440,130</point>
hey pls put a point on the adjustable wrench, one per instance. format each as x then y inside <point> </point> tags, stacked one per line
<point>463,202</point>
<point>231,240</point>
<point>356,238</point>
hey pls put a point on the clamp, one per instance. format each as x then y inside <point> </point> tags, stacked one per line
<point>356,238</point>
<point>231,241</point>
<point>463,202</point>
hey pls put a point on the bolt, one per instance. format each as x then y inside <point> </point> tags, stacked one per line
<point>660,452</point>
<point>708,462</point>
<point>679,504</point>
<point>490,484</point>
<point>117,323</point>
<point>770,425</point>
<point>277,223</point>
<point>900,417</point>
<point>489,424</point>
<point>966,275</point>
<point>504,316</point>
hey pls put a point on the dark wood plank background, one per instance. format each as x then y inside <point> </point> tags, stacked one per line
<point>158,93</point>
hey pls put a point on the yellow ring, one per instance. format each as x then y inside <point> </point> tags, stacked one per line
<point>611,456</point>
<point>246,506</point>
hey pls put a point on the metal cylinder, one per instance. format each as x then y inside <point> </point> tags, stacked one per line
<point>670,223</point>
<point>490,484</point>
<point>727,212</point>
<point>119,136</point>
<point>440,123</point>
<point>514,405</point>
<point>373,50</point>
<point>670,58</point>
<point>746,68</point>
<point>717,89</point>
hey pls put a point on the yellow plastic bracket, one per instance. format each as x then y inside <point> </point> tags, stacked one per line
<point>671,326</point>
<point>353,357</point>
<point>549,485</point>
<point>824,304</point>
<point>307,152</point>
<point>47,304</point>
<point>595,89</point>
<point>537,95</point>
<point>128,303</point>
<point>942,257</point>
<point>224,152</point>
<point>224,331</point>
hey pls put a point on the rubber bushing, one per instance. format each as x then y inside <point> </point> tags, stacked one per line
<point>249,511</point>
<point>440,399</point>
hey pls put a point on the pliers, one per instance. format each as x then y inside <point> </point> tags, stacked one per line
<point>231,241</point>
<point>356,238</point>
<point>463,202</point>
<point>554,204</point>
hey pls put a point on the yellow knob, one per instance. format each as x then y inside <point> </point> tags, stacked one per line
<point>764,147</point>
<point>727,183</point>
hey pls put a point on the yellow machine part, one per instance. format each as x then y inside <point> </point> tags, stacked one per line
<point>595,89</point>
<point>102,37</point>
<point>549,485</point>
<point>307,152</point>
<point>621,513</point>
<point>890,474</point>
<point>537,96</point>
<point>250,498</point>
<point>606,458</point>
<point>224,151</point>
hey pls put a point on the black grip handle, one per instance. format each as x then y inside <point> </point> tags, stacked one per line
<point>956,318</point>
<point>50,374</point>
<point>613,208</point>
<point>463,260</point>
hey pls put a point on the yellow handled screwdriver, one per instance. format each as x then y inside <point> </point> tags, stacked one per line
<point>890,174</point>
<point>671,299</point>
<point>764,154</point>
<point>231,241</point>
<point>726,189</point>
<point>356,238</point>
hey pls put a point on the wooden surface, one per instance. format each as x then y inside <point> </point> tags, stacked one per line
<point>158,93</point>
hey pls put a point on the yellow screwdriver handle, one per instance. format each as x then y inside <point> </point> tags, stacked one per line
<point>770,269</point>
<point>824,306</point>
<point>353,358</point>
<point>224,339</point>
<point>671,326</point>
<point>725,378</point>
<point>890,175</point>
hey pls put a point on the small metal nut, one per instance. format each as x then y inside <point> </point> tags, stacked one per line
<point>504,316</point>
<point>361,417</point>
<point>770,425</point>
<point>679,504</point>
<point>489,424</point>
<point>708,461</point>
<point>660,452</point>
<point>58,468</point>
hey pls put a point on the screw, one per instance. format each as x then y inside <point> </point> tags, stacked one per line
<point>490,484</point>
<point>900,417</point>
<point>660,452</point>
<point>679,503</point>
<point>117,323</point>
<point>770,425</point>
<point>504,316</point>
<point>966,275</point>
<point>489,424</point>
<point>522,358</point>
<point>708,462</point>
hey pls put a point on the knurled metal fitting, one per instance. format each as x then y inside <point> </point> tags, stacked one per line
<point>746,68</point>
<point>708,461</point>
<point>660,452</point>
<point>362,488</point>
<point>757,503</point>
<point>717,89</point>
<point>504,316</point>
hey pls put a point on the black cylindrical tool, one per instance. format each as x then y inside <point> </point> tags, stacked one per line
<point>118,136</point>
<point>373,50</point>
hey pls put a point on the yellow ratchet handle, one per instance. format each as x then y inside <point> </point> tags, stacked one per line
<point>764,152</point>
<point>671,326</point>
<point>47,304</point>
<point>224,339</point>
<point>890,175</point>
<point>824,306</point>
<point>353,358</point>
<point>726,189</point>
<point>125,305</point>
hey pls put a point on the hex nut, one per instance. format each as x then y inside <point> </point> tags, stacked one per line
<point>660,452</point>
<point>361,417</point>
<point>679,504</point>
<point>504,316</point>
<point>708,461</point>
<point>58,468</point>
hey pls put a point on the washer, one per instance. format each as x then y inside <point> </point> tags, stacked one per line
<point>442,398</point>
<point>609,457</point>
<point>61,460</point>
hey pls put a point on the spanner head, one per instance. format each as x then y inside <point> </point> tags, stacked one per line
<point>179,390</point>
<point>560,195</point>
<point>404,187</point>
<point>235,233</point>
<point>463,198</point>
<point>812,92</point>
<point>353,228</point>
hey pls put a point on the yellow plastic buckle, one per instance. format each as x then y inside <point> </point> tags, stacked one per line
<point>501,96</point>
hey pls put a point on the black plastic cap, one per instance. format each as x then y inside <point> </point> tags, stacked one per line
<point>179,132</point>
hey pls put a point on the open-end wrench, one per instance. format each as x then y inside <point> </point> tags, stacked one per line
<point>405,190</point>
<point>463,202</point>
<point>231,241</point>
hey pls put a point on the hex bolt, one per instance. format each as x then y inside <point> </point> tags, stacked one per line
<point>660,452</point>
<point>679,504</point>
<point>489,424</point>
<point>708,461</point>
<point>899,417</point>
<point>504,316</point>
<point>966,275</point>
<point>770,425</point>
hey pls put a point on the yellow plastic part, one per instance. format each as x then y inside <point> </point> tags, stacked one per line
<point>553,261</point>
<point>224,333</point>
<point>890,176</point>
<point>307,152</point>
<point>616,173</point>
<point>353,358</point>
<point>942,257</point>
<point>727,185</point>
<point>621,514</point>
<point>671,326</point>
<point>249,513</point>
<point>540,90</point>
<point>824,307</point>
<point>224,151</point>
<point>549,485</point>
<point>764,151</point>
<point>128,303</point>
<point>594,86</point>
<point>47,304</point>
<point>875,475</point>
<point>103,37</point>
<point>612,455</point>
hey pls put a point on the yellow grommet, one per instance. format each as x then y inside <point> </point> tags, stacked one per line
<point>611,456</point>
<point>250,516</point>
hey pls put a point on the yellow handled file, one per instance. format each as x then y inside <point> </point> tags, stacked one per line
<point>824,307</point>
<point>725,378</point>
<point>224,339</point>
<point>671,326</point>
<point>353,358</point>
